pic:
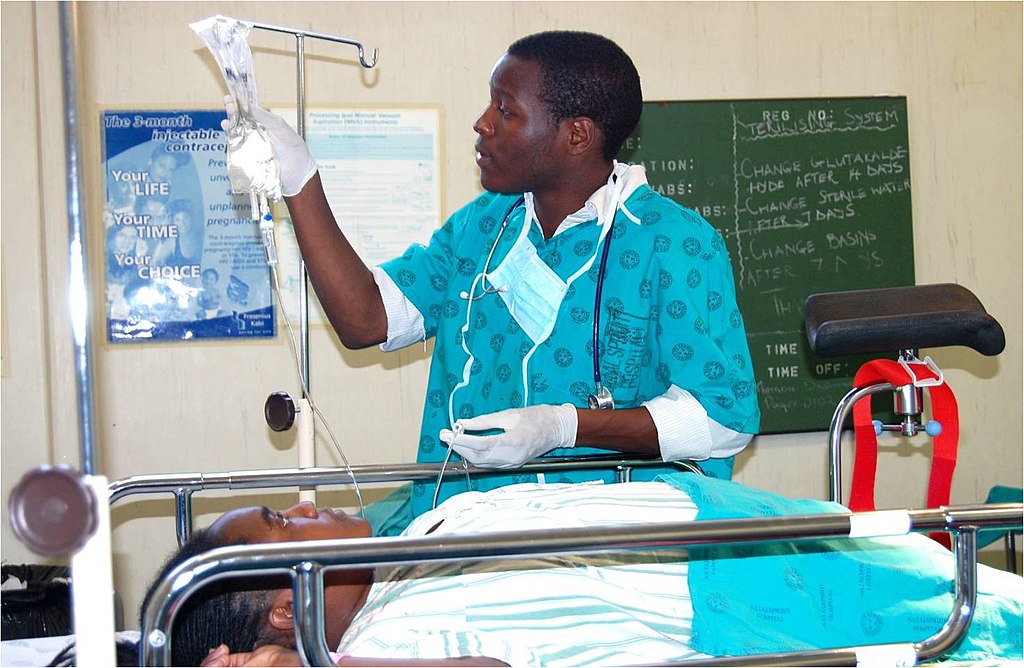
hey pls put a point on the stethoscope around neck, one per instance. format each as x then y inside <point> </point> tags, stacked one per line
<point>601,399</point>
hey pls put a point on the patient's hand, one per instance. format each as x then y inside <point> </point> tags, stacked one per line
<point>265,655</point>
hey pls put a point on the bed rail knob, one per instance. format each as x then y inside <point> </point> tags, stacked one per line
<point>53,511</point>
<point>279,411</point>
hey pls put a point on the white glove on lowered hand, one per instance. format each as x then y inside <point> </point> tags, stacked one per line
<point>528,433</point>
<point>294,161</point>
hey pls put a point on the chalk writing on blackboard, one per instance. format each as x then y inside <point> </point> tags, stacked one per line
<point>812,195</point>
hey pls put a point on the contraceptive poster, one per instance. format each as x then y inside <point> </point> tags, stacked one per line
<point>183,256</point>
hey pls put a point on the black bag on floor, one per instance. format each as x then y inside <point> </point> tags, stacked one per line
<point>39,609</point>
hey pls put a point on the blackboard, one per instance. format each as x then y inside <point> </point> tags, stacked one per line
<point>812,195</point>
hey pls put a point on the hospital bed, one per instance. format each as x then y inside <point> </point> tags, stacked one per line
<point>307,562</point>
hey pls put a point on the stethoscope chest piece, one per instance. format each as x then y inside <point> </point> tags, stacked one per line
<point>601,399</point>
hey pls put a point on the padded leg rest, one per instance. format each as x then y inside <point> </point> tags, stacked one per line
<point>888,320</point>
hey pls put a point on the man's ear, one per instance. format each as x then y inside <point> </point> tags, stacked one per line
<point>281,615</point>
<point>583,135</point>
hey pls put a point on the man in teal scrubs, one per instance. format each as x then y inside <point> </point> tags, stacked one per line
<point>511,286</point>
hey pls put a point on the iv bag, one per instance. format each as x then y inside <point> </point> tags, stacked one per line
<point>252,167</point>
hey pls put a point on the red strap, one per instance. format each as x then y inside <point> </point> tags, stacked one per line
<point>944,410</point>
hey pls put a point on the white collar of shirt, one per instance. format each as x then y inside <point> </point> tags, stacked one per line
<point>633,176</point>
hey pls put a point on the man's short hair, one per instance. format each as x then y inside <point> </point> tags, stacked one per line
<point>584,74</point>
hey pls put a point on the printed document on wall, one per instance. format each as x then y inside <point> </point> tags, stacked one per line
<point>381,170</point>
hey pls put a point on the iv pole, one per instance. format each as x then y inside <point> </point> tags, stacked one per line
<point>303,413</point>
<point>54,510</point>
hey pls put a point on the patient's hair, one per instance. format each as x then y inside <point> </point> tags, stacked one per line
<point>585,74</point>
<point>230,611</point>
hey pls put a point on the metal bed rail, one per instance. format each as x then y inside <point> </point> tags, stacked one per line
<point>184,485</point>
<point>307,561</point>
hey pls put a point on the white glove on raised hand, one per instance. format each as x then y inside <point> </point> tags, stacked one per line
<point>528,433</point>
<point>294,161</point>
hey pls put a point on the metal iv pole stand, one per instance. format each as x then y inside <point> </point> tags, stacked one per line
<point>304,419</point>
<point>54,510</point>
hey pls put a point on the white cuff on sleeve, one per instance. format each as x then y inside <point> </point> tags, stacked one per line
<point>405,322</point>
<point>682,425</point>
<point>686,432</point>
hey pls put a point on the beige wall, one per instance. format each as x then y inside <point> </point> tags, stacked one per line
<point>198,407</point>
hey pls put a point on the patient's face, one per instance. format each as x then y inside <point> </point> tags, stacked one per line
<point>344,590</point>
<point>300,522</point>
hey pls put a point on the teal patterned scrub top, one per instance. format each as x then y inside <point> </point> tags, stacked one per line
<point>668,316</point>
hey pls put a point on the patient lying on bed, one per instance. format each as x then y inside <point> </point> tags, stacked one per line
<point>609,608</point>
<point>621,608</point>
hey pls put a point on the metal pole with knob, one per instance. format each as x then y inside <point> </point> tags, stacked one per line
<point>301,411</point>
<point>54,510</point>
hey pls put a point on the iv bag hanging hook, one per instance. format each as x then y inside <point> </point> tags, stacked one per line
<point>319,35</point>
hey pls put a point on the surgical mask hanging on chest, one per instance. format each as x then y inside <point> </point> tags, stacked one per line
<point>532,291</point>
